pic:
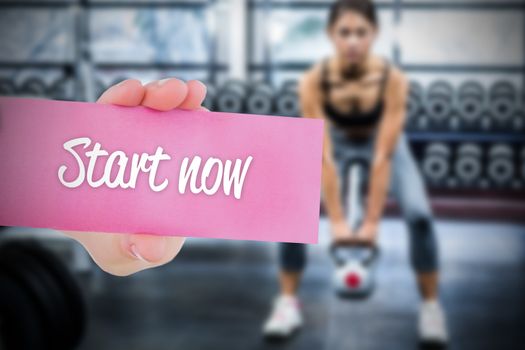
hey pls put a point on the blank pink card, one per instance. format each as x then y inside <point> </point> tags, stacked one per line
<point>105,168</point>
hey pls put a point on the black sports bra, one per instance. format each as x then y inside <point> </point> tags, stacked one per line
<point>353,119</point>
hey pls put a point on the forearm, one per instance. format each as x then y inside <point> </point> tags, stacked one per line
<point>377,191</point>
<point>331,193</point>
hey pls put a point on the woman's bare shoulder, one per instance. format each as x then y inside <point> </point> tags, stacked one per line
<point>310,80</point>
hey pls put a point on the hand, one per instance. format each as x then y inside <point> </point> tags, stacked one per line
<point>124,254</point>
<point>341,231</point>
<point>367,233</point>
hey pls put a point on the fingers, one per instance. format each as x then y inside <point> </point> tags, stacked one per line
<point>129,92</point>
<point>165,94</point>
<point>161,95</point>
<point>125,254</point>
<point>195,96</point>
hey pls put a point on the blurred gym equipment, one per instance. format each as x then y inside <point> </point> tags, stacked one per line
<point>209,100</point>
<point>32,87</point>
<point>468,165</point>
<point>415,105</point>
<point>41,302</point>
<point>7,87</point>
<point>354,276</point>
<point>500,167</point>
<point>470,104</point>
<point>436,163</point>
<point>502,103</point>
<point>260,99</point>
<point>287,100</point>
<point>231,97</point>
<point>439,103</point>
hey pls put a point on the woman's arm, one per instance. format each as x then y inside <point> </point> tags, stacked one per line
<point>311,102</point>
<point>390,128</point>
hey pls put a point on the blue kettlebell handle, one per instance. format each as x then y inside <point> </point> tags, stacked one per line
<point>335,246</point>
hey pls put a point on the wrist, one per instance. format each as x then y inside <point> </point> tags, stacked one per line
<point>371,223</point>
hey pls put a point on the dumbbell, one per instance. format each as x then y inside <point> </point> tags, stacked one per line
<point>40,302</point>
<point>211,95</point>
<point>232,97</point>
<point>502,104</point>
<point>436,163</point>
<point>287,100</point>
<point>500,167</point>
<point>414,105</point>
<point>439,103</point>
<point>470,105</point>
<point>260,100</point>
<point>32,87</point>
<point>7,87</point>
<point>468,164</point>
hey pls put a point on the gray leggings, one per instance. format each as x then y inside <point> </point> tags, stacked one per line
<point>407,187</point>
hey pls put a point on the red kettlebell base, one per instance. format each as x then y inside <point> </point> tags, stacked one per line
<point>353,280</point>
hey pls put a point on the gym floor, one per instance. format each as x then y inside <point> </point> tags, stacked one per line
<point>217,293</point>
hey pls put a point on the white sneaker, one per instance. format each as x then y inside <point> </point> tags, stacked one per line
<point>285,318</point>
<point>432,323</point>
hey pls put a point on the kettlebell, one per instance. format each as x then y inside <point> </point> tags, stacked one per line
<point>354,276</point>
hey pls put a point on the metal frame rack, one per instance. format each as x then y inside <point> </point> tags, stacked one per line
<point>81,11</point>
<point>420,138</point>
<point>397,7</point>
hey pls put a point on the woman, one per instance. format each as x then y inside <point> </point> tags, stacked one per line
<point>362,98</point>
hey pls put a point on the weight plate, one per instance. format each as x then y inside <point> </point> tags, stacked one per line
<point>472,89</point>
<point>230,101</point>
<point>502,108</point>
<point>500,151</point>
<point>470,149</point>
<point>7,87</point>
<point>44,291</point>
<point>63,277</point>
<point>440,88</point>
<point>438,149</point>
<point>435,168</point>
<point>32,87</point>
<point>503,88</point>
<point>470,109</point>
<point>438,108</point>
<point>290,85</point>
<point>468,169</point>
<point>260,99</point>
<point>501,171</point>
<point>21,324</point>
<point>237,86</point>
<point>287,104</point>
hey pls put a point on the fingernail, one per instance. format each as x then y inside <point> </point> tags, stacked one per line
<point>135,252</point>
<point>130,248</point>
<point>163,81</point>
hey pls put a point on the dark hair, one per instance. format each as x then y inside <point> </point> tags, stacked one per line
<point>366,8</point>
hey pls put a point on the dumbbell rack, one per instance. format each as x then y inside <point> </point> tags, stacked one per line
<point>497,197</point>
<point>81,69</point>
<point>77,83</point>
<point>82,61</point>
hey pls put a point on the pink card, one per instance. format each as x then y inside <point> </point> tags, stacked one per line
<point>103,168</point>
